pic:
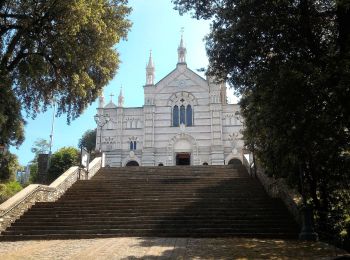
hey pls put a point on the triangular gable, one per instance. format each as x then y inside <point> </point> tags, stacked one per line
<point>183,74</point>
<point>110,105</point>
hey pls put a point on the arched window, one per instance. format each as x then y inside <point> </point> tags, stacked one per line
<point>189,115</point>
<point>182,114</point>
<point>176,116</point>
<point>132,145</point>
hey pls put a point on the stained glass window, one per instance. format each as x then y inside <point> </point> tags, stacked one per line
<point>176,116</point>
<point>182,114</point>
<point>189,115</point>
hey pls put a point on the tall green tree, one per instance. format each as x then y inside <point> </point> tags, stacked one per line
<point>290,62</point>
<point>40,146</point>
<point>61,50</point>
<point>88,140</point>
<point>8,167</point>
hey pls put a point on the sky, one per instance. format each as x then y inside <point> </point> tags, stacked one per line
<point>157,27</point>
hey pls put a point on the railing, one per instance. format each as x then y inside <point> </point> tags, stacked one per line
<point>249,165</point>
<point>277,188</point>
<point>15,206</point>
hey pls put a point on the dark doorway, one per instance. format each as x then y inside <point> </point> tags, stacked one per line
<point>183,159</point>
<point>132,163</point>
<point>235,162</point>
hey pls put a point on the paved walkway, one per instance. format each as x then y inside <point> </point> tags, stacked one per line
<point>167,248</point>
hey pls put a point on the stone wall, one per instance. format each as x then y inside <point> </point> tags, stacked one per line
<point>14,207</point>
<point>277,188</point>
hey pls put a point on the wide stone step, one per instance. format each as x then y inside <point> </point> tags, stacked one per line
<point>156,214</point>
<point>275,235</point>
<point>167,195</point>
<point>159,201</point>
<point>157,226</point>
<point>160,192</point>
<point>147,220</point>
<point>142,230</point>
<point>156,203</point>
<point>161,208</point>
<point>111,216</point>
<point>186,205</point>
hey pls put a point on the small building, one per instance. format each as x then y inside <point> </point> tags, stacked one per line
<point>185,120</point>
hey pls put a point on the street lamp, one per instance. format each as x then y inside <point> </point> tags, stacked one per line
<point>101,120</point>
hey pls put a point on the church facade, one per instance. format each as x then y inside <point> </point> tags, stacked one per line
<point>185,120</point>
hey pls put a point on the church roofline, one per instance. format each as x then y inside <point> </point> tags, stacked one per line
<point>187,68</point>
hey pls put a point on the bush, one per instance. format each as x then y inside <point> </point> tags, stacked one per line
<point>33,173</point>
<point>62,160</point>
<point>7,190</point>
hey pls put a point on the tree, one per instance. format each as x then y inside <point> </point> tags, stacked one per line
<point>55,50</point>
<point>290,62</point>
<point>8,167</point>
<point>88,140</point>
<point>62,160</point>
<point>40,146</point>
<point>33,173</point>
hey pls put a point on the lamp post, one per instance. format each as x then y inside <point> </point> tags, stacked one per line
<point>101,120</point>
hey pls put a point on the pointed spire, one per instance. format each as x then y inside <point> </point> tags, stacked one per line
<point>181,50</point>
<point>150,70</point>
<point>121,97</point>
<point>150,60</point>
<point>101,101</point>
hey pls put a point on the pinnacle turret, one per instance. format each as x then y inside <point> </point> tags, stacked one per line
<point>150,70</point>
<point>121,98</point>
<point>181,50</point>
<point>101,101</point>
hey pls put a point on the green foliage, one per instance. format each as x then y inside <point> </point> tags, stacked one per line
<point>8,166</point>
<point>290,62</point>
<point>40,146</point>
<point>88,140</point>
<point>62,50</point>
<point>11,121</point>
<point>7,190</point>
<point>62,160</point>
<point>33,173</point>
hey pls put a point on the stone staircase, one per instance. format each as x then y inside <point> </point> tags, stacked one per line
<point>181,201</point>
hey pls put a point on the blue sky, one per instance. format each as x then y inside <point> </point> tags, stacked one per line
<point>156,26</point>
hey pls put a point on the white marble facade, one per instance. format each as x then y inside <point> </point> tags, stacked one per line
<point>185,120</point>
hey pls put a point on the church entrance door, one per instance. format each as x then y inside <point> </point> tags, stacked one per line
<point>132,163</point>
<point>183,159</point>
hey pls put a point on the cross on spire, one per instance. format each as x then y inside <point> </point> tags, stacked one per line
<point>111,95</point>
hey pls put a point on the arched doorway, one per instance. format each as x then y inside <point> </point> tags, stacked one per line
<point>235,162</point>
<point>182,143</point>
<point>183,159</point>
<point>183,150</point>
<point>132,163</point>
